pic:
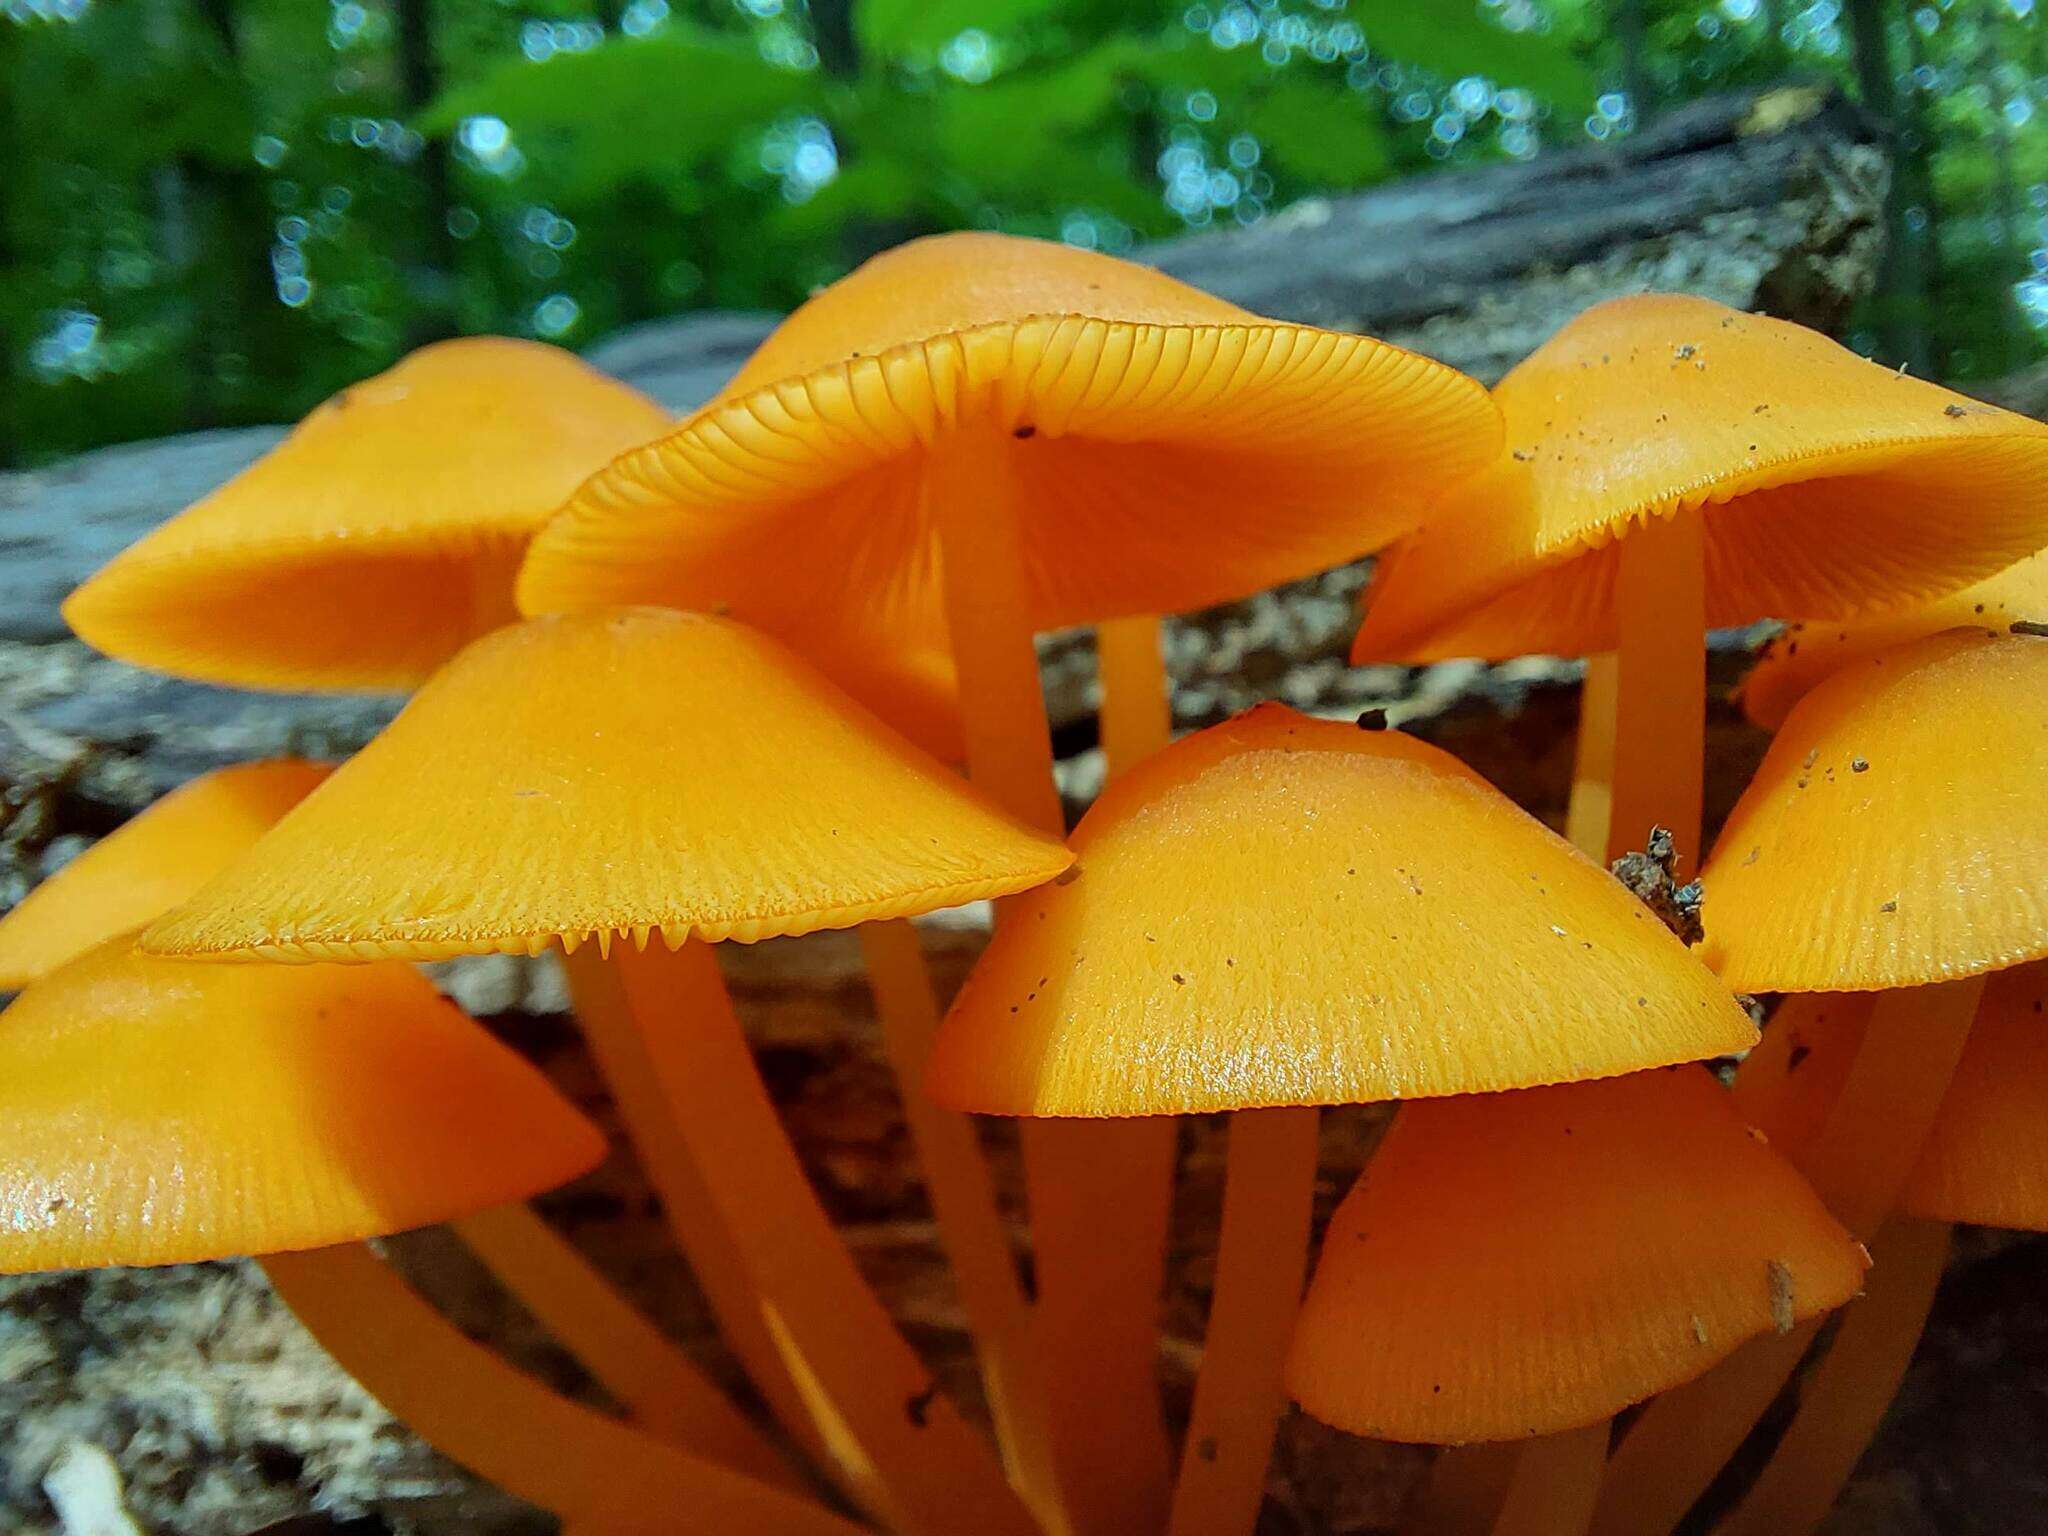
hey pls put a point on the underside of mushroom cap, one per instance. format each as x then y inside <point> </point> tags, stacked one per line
<point>148,865</point>
<point>165,1113</point>
<point>1986,1158</point>
<point>1164,450</point>
<point>1829,487</point>
<point>1282,911</point>
<point>1805,652</point>
<point>1523,1263</point>
<point>1893,835</point>
<point>629,773</point>
<point>380,537</point>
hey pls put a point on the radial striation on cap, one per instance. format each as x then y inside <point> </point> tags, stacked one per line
<point>1828,487</point>
<point>1517,1264</point>
<point>624,773</point>
<point>1166,450</point>
<point>1805,652</point>
<point>1282,911</point>
<point>159,1112</point>
<point>1893,836</point>
<point>148,865</point>
<point>380,537</point>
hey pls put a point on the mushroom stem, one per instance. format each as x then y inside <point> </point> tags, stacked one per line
<point>1137,702</point>
<point>1859,1161</point>
<point>634,1361</point>
<point>686,1205</point>
<point>1467,1485</point>
<point>900,1444</point>
<point>1876,1129</point>
<point>1137,720</point>
<point>1096,1316</point>
<point>1668,1457</point>
<point>1843,1404</point>
<point>956,1177</point>
<point>1555,1484</point>
<point>1659,696</point>
<point>594,1472</point>
<point>1592,799</point>
<point>1261,1259</point>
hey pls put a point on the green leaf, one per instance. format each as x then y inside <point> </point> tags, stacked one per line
<point>1320,132</point>
<point>891,28</point>
<point>978,124</point>
<point>649,107</point>
<point>1452,38</point>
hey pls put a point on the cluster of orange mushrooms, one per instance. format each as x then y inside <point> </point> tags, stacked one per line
<point>688,683</point>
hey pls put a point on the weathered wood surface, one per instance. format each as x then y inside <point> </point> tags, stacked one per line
<point>216,1409</point>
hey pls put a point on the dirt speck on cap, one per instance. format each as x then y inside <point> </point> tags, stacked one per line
<point>1780,1277</point>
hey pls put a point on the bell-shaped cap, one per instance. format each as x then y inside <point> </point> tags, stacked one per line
<point>1281,911</point>
<point>147,866</point>
<point>1894,834</point>
<point>1828,487</point>
<point>1806,652</point>
<point>1162,449</point>
<point>627,772</point>
<point>1517,1264</point>
<point>380,537</point>
<point>1986,1158</point>
<point>159,1112</point>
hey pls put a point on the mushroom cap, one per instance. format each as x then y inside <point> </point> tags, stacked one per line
<point>1521,1263</point>
<point>165,1113</point>
<point>1281,910</point>
<point>380,537</point>
<point>1180,452</point>
<point>1986,1159</point>
<point>581,776</point>
<point>1830,487</point>
<point>148,865</point>
<point>1893,835</point>
<point>1806,652</point>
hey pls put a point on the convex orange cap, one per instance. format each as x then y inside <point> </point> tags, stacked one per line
<point>1829,487</point>
<point>1281,911</point>
<point>1164,450</point>
<point>1521,1263</point>
<point>1986,1158</point>
<point>1893,836</point>
<point>380,537</point>
<point>164,1113</point>
<point>148,865</point>
<point>629,772</point>
<point>1807,652</point>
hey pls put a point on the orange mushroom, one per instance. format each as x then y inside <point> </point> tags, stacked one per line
<point>1526,1263</point>
<point>149,864</point>
<point>1675,464</point>
<point>377,539</point>
<point>975,437</point>
<point>160,1112</point>
<point>1807,652</point>
<point>1377,924</point>
<point>1985,1161</point>
<point>162,856</point>
<point>1890,843</point>
<point>586,778</point>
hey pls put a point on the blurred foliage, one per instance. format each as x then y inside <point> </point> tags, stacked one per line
<point>218,211</point>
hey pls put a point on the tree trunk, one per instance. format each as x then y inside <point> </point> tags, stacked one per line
<point>419,78</point>
<point>1903,281</point>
